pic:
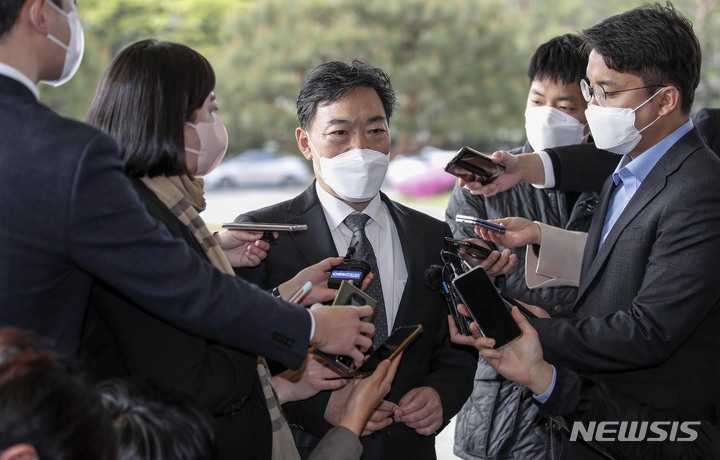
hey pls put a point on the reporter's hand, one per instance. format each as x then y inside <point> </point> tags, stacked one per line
<point>518,232</point>
<point>339,330</point>
<point>499,263</point>
<point>312,378</point>
<point>318,275</point>
<point>524,167</point>
<point>456,336</point>
<point>522,360</point>
<point>243,248</point>
<point>365,410</point>
<point>421,409</point>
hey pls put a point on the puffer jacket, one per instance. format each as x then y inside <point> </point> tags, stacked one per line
<point>499,420</point>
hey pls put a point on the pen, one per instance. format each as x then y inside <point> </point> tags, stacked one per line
<point>300,293</point>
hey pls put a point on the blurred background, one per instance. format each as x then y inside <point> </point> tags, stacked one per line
<point>458,66</point>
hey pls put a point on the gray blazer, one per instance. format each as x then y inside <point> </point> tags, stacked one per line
<point>647,318</point>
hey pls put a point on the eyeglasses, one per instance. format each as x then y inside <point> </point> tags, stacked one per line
<point>599,93</point>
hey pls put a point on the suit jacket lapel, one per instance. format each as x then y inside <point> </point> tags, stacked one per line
<point>410,241</point>
<point>653,184</point>
<point>316,243</point>
<point>595,232</point>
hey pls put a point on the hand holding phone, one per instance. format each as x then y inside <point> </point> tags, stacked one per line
<point>390,348</point>
<point>473,166</point>
<point>487,308</point>
<point>348,294</point>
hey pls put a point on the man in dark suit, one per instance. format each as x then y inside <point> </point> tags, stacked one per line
<point>344,112</point>
<point>70,216</point>
<point>648,310</point>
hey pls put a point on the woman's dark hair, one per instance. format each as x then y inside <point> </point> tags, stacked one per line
<point>561,59</point>
<point>147,94</point>
<point>330,81</point>
<point>654,42</point>
<point>155,422</point>
<point>46,403</point>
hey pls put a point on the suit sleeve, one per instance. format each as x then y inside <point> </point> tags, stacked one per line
<point>113,237</point>
<point>339,443</point>
<point>559,261</point>
<point>580,399</point>
<point>580,168</point>
<point>674,266</point>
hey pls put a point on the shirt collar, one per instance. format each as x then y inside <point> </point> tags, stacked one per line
<point>337,210</point>
<point>641,166</point>
<point>15,74</point>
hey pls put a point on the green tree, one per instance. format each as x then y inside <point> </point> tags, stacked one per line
<point>458,66</point>
<point>111,25</point>
<point>453,63</point>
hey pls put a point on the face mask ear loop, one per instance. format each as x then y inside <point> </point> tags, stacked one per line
<point>649,99</point>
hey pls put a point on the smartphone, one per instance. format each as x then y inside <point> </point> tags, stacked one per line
<point>264,227</point>
<point>390,348</point>
<point>473,166</point>
<point>486,307</point>
<point>492,226</point>
<point>471,248</point>
<point>348,294</point>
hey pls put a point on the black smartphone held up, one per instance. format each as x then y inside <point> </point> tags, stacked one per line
<point>473,166</point>
<point>390,348</point>
<point>486,307</point>
<point>346,295</point>
<point>474,250</point>
<point>476,221</point>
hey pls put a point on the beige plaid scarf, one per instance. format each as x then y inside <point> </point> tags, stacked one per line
<point>185,198</point>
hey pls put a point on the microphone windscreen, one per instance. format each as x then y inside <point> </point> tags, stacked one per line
<point>433,277</point>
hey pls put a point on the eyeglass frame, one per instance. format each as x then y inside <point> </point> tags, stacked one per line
<point>588,92</point>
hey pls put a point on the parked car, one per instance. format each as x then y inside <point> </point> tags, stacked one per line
<point>422,175</point>
<point>260,168</point>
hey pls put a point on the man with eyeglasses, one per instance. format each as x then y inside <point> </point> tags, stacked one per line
<point>647,315</point>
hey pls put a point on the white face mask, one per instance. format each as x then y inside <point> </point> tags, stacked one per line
<point>73,50</point>
<point>355,175</point>
<point>613,128</point>
<point>547,127</point>
<point>213,144</point>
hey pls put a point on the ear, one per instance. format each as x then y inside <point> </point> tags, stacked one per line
<point>303,143</point>
<point>37,18</point>
<point>669,100</point>
<point>19,452</point>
